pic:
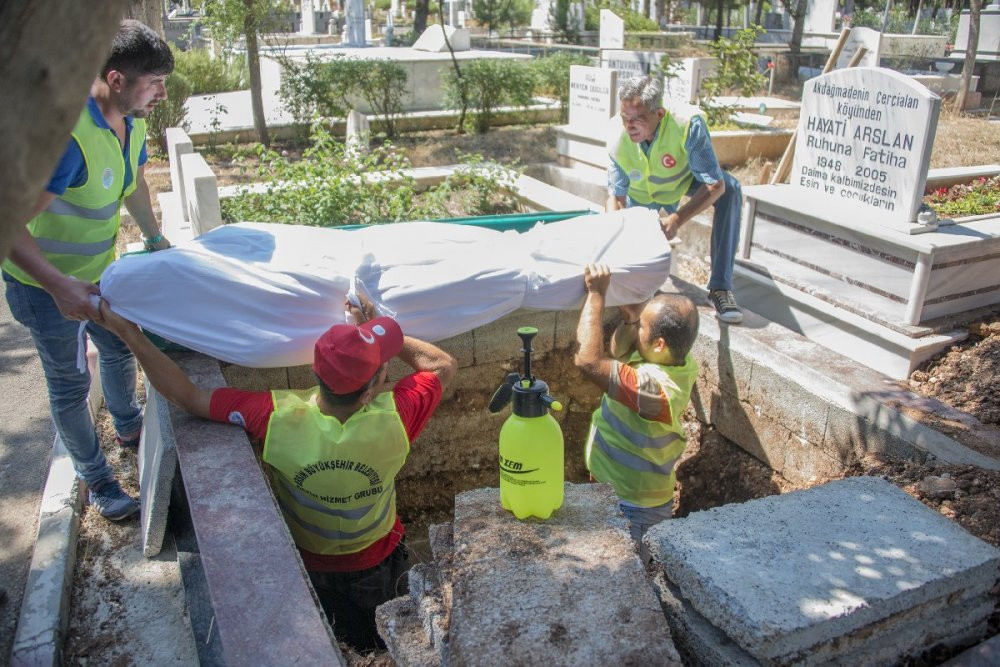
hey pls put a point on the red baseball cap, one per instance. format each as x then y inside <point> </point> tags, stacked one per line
<point>347,356</point>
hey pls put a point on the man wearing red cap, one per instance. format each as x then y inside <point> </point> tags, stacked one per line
<point>333,452</point>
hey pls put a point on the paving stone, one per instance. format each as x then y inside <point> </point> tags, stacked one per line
<point>566,591</point>
<point>399,626</point>
<point>785,574</point>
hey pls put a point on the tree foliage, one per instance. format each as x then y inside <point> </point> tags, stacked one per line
<point>488,85</point>
<point>736,71</point>
<point>496,14</point>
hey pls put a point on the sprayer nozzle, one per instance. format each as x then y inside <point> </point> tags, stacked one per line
<point>556,405</point>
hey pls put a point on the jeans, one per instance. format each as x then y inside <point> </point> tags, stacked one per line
<point>725,230</point>
<point>641,519</point>
<point>56,340</point>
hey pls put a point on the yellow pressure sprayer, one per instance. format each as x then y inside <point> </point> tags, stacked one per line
<point>531,442</point>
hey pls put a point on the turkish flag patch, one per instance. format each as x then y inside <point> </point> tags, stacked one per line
<point>668,161</point>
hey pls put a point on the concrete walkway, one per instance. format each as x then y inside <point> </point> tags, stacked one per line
<point>26,435</point>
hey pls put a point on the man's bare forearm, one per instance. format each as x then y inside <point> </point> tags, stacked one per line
<point>426,357</point>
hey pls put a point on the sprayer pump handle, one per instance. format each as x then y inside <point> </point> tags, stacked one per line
<point>501,397</point>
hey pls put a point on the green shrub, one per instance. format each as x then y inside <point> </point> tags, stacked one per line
<point>170,112</point>
<point>634,21</point>
<point>736,72</point>
<point>328,88</point>
<point>328,187</point>
<point>211,75</point>
<point>552,76</point>
<point>490,84</point>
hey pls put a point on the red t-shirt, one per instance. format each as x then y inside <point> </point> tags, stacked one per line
<point>416,396</point>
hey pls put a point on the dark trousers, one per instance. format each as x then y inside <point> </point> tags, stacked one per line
<point>349,598</point>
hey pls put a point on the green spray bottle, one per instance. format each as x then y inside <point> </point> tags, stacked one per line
<point>531,442</point>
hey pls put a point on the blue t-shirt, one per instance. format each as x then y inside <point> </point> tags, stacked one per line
<point>701,161</point>
<point>71,172</point>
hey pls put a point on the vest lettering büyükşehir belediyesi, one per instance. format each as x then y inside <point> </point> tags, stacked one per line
<point>334,481</point>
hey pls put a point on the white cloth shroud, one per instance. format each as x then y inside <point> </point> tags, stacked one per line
<point>260,294</point>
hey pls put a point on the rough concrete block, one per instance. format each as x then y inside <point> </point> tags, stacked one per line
<point>718,363</point>
<point>178,144</point>
<point>461,347</point>
<point>784,399</point>
<point>538,591</point>
<point>400,629</point>
<point>442,539</point>
<point>783,574</point>
<point>45,606</point>
<point>301,377</point>
<point>986,654</point>
<point>157,466</point>
<point>202,191</point>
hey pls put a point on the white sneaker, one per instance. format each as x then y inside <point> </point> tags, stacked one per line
<point>726,309</point>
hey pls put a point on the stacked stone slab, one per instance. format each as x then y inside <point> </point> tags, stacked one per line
<point>851,572</point>
<point>566,591</point>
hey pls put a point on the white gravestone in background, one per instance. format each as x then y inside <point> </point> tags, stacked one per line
<point>308,26</point>
<point>591,98</point>
<point>540,16</point>
<point>355,26</point>
<point>988,47</point>
<point>865,137</point>
<point>685,86</point>
<point>866,37</point>
<point>630,63</point>
<point>821,15</point>
<point>612,30</point>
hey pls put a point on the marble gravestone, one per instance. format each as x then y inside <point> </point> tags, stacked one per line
<point>630,63</point>
<point>592,93</point>
<point>612,30</point>
<point>988,46</point>
<point>684,86</point>
<point>865,137</point>
<point>820,16</point>
<point>866,37</point>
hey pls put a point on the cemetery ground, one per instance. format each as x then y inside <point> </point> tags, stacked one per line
<point>120,599</point>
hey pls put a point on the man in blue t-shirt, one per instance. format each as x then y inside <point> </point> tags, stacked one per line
<point>51,277</point>
<point>675,152</point>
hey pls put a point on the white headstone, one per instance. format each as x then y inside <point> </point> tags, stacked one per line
<point>821,16</point>
<point>453,13</point>
<point>432,39</point>
<point>461,19</point>
<point>988,47</point>
<point>308,18</point>
<point>358,133</point>
<point>592,93</point>
<point>394,8</point>
<point>630,63</point>
<point>368,30</point>
<point>540,15</point>
<point>685,85</point>
<point>574,16</point>
<point>866,37</point>
<point>864,143</point>
<point>612,30</point>
<point>355,23</point>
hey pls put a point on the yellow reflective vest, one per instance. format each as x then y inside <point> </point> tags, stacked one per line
<point>636,455</point>
<point>77,232</point>
<point>335,481</point>
<point>663,176</point>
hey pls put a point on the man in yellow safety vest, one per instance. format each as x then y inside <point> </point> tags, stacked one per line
<point>656,158</point>
<point>636,435</point>
<point>332,451</point>
<point>56,262</point>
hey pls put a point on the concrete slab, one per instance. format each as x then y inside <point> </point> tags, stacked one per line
<point>157,466</point>
<point>783,574</point>
<point>537,591</point>
<point>45,605</point>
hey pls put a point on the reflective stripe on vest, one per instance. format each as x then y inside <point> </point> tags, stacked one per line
<point>335,482</point>
<point>77,231</point>
<point>636,455</point>
<point>650,180</point>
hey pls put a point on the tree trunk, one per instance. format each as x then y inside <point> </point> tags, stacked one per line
<point>975,7</point>
<point>799,27</point>
<point>916,18</point>
<point>50,52</point>
<point>253,64</point>
<point>149,12</point>
<point>758,11</point>
<point>886,15</point>
<point>720,9</point>
<point>421,9</point>
<point>645,9</point>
